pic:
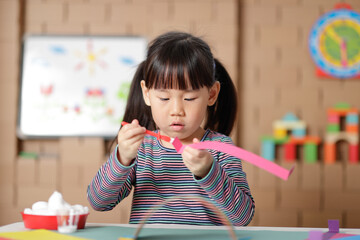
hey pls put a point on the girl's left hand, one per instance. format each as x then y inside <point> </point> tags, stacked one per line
<point>199,162</point>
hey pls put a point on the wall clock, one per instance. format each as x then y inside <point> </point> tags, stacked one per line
<point>334,43</point>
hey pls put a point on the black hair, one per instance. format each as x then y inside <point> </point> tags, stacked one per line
<point>177,60</point>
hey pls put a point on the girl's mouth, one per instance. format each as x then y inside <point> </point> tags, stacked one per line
<point>177,126</point>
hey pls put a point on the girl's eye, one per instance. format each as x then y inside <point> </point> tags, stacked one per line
<point>164,99</point>
<point>190,99</point>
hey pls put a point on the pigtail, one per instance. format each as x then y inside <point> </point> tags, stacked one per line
<point>222,115</point>
<point>136,107</point>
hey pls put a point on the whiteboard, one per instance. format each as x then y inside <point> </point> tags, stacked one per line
<point>76,85</point>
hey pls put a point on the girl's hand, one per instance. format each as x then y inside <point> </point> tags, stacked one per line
<point>197,161</point>
<point>129,139</point>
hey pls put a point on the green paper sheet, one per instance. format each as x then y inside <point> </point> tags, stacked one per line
<point>115,232</point>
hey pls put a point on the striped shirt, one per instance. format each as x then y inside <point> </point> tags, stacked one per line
<point>159,173</point>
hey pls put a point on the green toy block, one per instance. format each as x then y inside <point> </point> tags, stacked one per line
<point>275,140</point>
<point>281,140</point>
<point>267,138</point>
<point>30,155</point>
<point>342,106</point>
<point>333,128</point>
<point>310,152</point>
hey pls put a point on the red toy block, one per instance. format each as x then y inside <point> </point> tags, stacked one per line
<point>354,153</point>
<point>290,152</point>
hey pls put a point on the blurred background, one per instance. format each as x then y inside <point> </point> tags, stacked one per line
<point>264,46</point>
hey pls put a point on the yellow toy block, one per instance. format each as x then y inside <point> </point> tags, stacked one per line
<point>280,133</point>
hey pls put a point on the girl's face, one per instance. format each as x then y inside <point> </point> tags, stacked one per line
<point>180,113</point>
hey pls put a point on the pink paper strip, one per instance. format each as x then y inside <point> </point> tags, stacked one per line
<point>240,153</point>
<point>349,237</point>
<point>315,235</point>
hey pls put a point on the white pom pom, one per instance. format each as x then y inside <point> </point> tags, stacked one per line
<point>56,201</point>
<point>39,206</point>
<point>28,211</point>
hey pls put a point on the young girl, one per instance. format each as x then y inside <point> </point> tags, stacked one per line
<point>180,91</point>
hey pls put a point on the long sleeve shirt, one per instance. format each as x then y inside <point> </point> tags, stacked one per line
<point>159,173</point>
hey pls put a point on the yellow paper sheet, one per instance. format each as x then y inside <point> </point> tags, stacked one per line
<point>40,234</point>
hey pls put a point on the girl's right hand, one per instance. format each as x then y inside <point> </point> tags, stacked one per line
<point>129,139</point>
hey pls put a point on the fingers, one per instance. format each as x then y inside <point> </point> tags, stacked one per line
<point>129,139</point>
<point>195,140</point>
<point>195,153</point>
<point>131,130</point>
<point>137,139</point>
<point>197,161</point>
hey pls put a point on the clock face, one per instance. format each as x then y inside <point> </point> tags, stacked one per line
<point>335,43</point>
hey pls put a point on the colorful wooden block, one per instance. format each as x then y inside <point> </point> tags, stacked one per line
<point>342,106</point>
<point>352,118</point>
<point>310,150</point>
<point>289,125</point>
<point>281,140</point>
<point>290,132</point>
<point>335,134</point>
<point>333,128</point>
<point>353,153</point>
<point>334,118</point>
<point>268,149</point>
<point>290,152</point>
<point>306,139</point>
<point>352,128</point>
<point>299,132</point>
<point>330,153</point>
<point>280,132</point>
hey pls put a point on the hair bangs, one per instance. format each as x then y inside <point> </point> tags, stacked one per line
<point>179,71</point>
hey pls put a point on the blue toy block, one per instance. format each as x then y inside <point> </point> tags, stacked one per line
<point>290,117</point>
<point>299,132</point>
<point>268,149</point>
<point>352,118</point>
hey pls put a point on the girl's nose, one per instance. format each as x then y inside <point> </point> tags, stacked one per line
<point>177,108</point>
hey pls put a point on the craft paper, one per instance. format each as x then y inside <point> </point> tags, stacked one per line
<point>40,234</point>
<point>346,237</point>
<point>333,233</point>
<point>235,151</point>
<point>240,153</point>
<point>315,235</point>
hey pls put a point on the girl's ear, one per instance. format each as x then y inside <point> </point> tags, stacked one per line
<point>145,92</point>
<point>214,93</point>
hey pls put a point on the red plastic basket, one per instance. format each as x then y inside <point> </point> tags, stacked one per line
<point>47,222</point>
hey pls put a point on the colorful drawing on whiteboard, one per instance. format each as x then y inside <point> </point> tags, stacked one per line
<point>76,85</point>
<point>91,58</point>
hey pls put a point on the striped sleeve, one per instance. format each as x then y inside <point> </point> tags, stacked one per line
<point>111,184</point>
<point>226,184</point>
